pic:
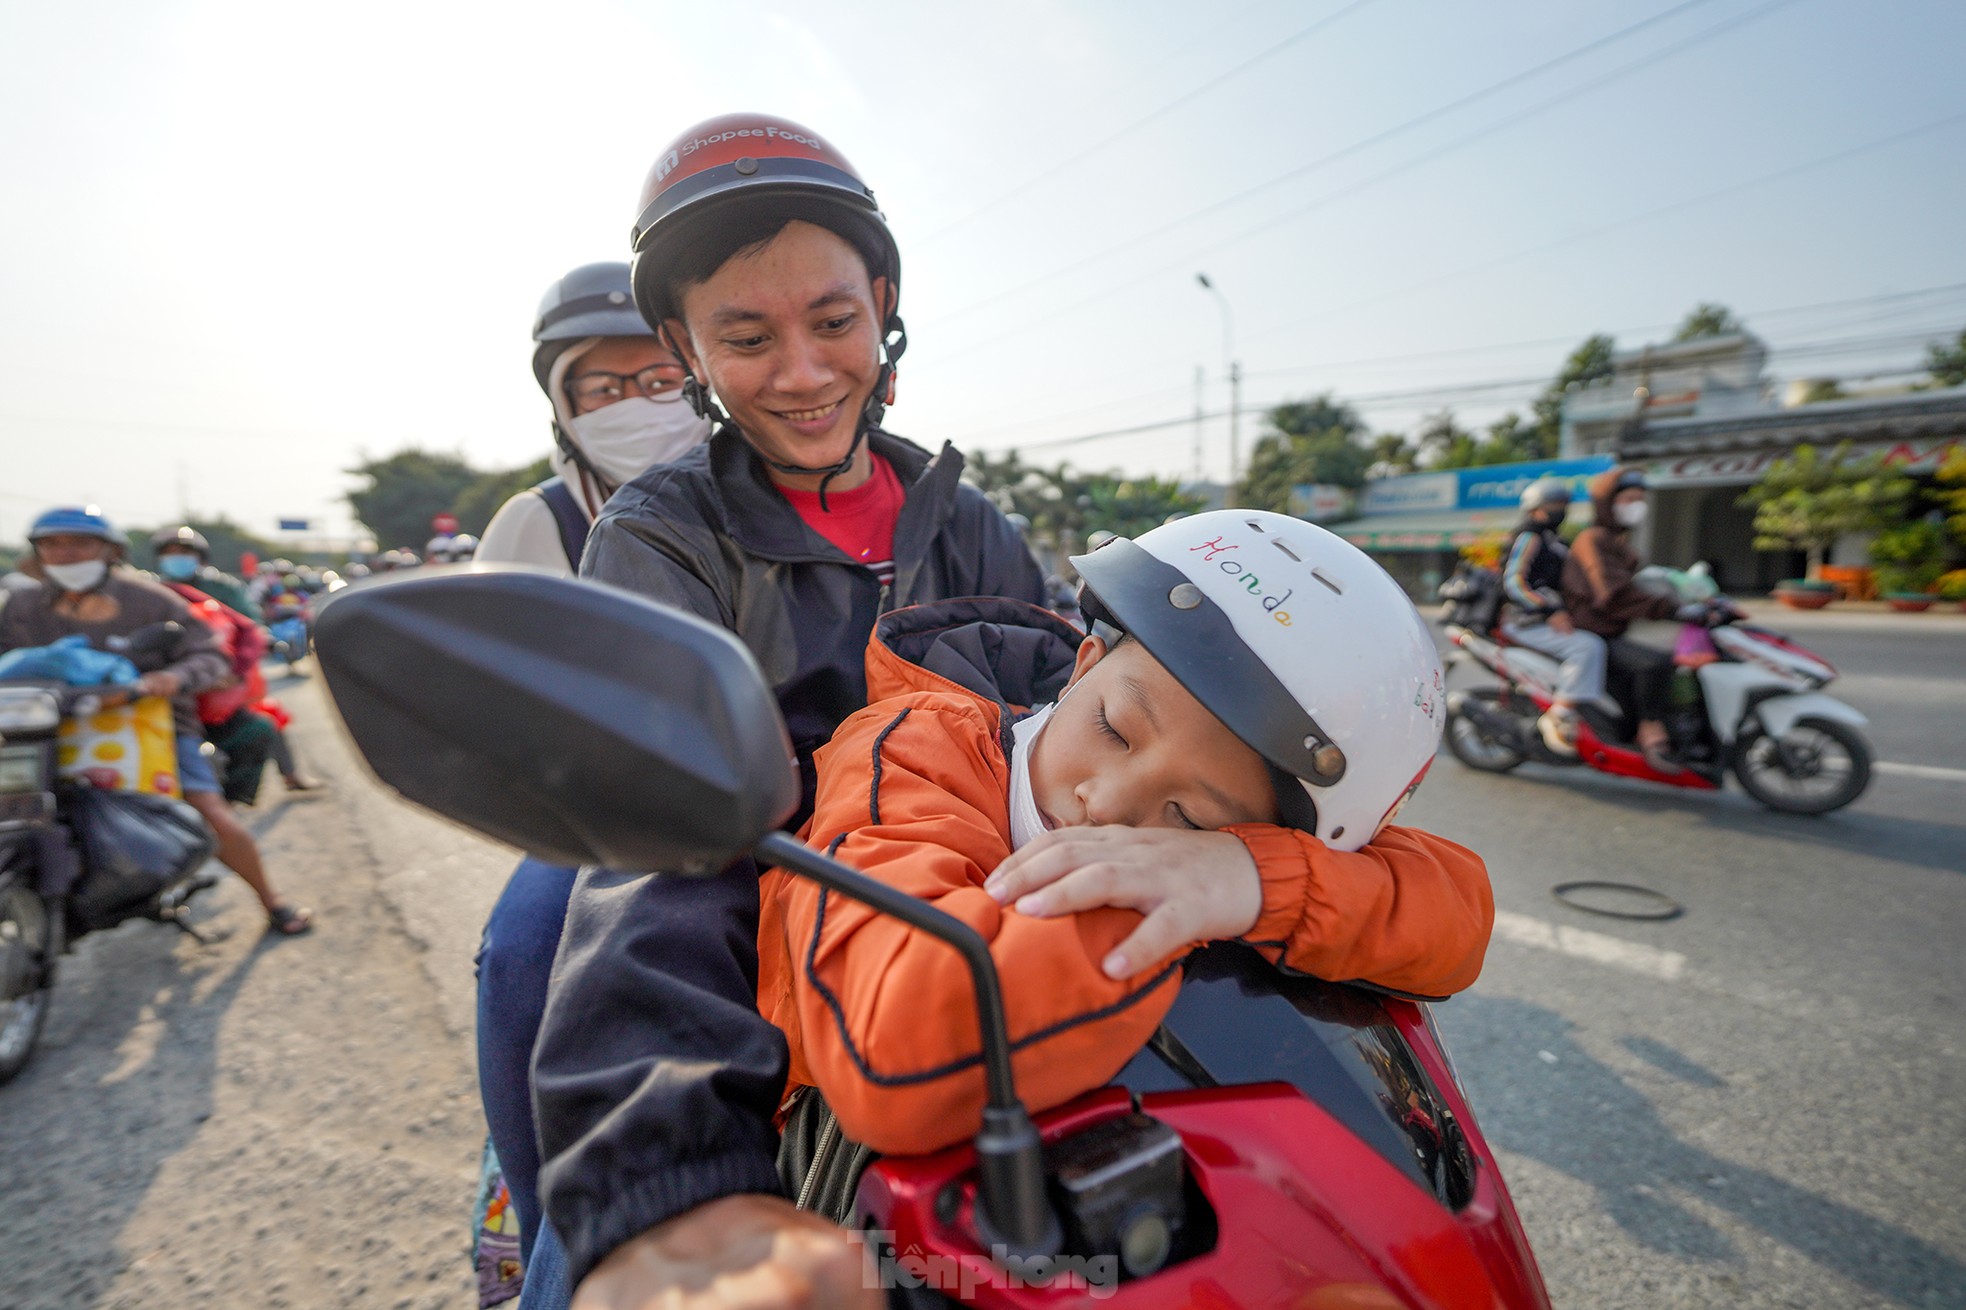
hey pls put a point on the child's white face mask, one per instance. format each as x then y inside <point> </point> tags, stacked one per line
<point>1025,821</point>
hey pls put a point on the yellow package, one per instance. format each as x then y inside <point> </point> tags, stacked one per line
<point>130,747</point>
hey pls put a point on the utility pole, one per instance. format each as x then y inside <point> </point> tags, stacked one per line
<point>1235,381</point>
<point>1201,375</point>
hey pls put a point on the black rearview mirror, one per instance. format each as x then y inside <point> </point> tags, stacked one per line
<point>576,721</point>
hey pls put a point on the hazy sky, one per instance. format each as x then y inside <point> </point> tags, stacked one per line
<point>246,243</point>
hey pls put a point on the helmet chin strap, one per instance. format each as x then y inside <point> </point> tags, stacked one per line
<point>871,413</point>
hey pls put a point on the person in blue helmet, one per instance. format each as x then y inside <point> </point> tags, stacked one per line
<point>77,550</point>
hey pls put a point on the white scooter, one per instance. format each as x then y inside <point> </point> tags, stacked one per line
<point>1751,702</point>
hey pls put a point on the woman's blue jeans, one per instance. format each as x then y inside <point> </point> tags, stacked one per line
<point>515,959</point>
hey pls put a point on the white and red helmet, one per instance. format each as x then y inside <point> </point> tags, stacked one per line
<point>1300,644</point>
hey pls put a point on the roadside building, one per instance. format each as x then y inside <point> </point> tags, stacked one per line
<point>1704,420</point>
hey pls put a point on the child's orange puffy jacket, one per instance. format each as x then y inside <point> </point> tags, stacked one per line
<point>914,791</point>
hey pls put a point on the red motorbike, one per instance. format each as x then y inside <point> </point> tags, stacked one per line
<point>1280,1142</point>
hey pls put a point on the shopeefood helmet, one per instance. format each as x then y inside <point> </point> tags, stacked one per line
<point>1300,645</point>
<point>739,167</point>
<point>1545,493</point>
<point>78,521</point>
<point>594,300</point>
<point>186,536</point>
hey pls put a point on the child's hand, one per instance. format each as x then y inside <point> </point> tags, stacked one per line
<point>1192,886</point>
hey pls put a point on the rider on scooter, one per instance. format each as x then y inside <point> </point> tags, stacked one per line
<point>618,408</point>
<point>1601,593</point>
<point>617,397</point>
<point>1535,616</point>
<point>78,551</point>
<point>796,525</point>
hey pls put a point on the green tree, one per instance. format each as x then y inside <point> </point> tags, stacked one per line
<point>1064,507</point>
<point>1820,390</point>
<point>404,491</point>
<point>1589,362</point>
<point>1392,456</point>
<point>1707,319</point>
<point>1947,361</point>
<point>1317,440</point>
<point>478,502</point>
<point>1805,501</point>
<point>228,540</point>
<point>1445,444</point>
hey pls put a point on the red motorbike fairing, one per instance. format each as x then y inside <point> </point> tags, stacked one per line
<point>1329,1152</point>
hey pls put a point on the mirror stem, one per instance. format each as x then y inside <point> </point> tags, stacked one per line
<point>1011,1206</point>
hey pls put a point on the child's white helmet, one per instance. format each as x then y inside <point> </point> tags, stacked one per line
<point>1300,645</point>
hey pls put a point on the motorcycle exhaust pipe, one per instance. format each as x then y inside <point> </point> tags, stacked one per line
<point>1499,725</point>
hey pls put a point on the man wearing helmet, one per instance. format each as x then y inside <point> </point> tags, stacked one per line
<point>801,521</point>
<point>77,550</point>
<point>1536,617</point>
<point>618,408</point>
<point>1212,695</point>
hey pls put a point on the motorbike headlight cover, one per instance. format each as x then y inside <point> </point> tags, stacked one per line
<point>28,709</point>
<point>20,768</point>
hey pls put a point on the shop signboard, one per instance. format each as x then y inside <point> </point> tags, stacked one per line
<point>1494,487</point>
<point>1413,492</point>
<point>1742,468</point>
<point>1500,486</point>
<point>1320,502</point>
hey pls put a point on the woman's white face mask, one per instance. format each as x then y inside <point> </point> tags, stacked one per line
<point>1630,514</point>
<point>84,576</point>
<point>636,433</point>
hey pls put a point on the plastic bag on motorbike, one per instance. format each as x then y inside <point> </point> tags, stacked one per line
<point>134,845</point>
<point>71,660</point>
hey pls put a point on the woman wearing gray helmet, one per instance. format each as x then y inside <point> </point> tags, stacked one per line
<point>618,409</point>
<point>1536,616</point>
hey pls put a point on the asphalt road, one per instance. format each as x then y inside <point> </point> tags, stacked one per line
<point>1756,1104</point>
<point>1753,1105</point>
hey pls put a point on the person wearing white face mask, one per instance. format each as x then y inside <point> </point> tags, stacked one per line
<point>1602,597</point>
<point>75,549</point>
<point>617,410</point>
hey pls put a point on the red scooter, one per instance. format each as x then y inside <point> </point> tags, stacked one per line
<point>1280,1142</point>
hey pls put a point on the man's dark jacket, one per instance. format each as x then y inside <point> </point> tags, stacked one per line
<point>655,1079</point>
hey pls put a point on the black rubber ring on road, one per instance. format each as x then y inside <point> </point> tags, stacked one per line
<point>1669,908</point>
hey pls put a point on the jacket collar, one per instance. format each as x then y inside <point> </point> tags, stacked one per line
<point>765,524</point>
<point>1008,654</point>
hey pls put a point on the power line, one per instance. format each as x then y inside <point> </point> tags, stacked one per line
<point>1778,175</point>
<point>1889,297</point>
<point>1406,166</point>
<point>1066,164</point>
<point>1838,346</point>
<point>1364,143</point>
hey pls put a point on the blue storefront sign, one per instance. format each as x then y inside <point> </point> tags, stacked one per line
<point>1500,486</point>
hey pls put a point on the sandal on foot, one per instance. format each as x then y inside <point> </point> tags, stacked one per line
<point>289,920</point>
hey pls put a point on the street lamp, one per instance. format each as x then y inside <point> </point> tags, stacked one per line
<point>1235,378</point>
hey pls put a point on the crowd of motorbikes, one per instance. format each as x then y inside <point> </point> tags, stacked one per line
<point>1279,1134</point>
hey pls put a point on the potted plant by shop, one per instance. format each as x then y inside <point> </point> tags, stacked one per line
<point>1804,593</point>
<point>1910,559</point>
<point>1808,501</point>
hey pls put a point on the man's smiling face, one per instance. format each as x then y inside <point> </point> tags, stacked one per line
<point>788,335</point>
